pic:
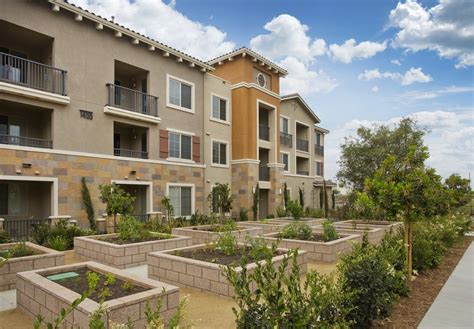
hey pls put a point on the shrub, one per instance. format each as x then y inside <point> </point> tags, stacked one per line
<point>281,212</point>
<point>5,237</point>
<point>130,229</point>
<point>40,234</point>
<point>295,209</point>
<point>329,231</point>
<point>58,242</point>
<point>226,244</point>
<point>297,231</point>
<point>259,249</point>
<point>314,213</point>
<point>86,200</point>
<point>243,214</point>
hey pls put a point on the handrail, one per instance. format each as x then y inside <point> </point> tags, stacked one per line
<point>132,100</point>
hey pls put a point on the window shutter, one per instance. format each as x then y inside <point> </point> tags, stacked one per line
<point>163,143</point>
<point>196,149</point>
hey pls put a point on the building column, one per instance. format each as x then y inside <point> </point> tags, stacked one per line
<point>244,180</point>
<point>276,197</point>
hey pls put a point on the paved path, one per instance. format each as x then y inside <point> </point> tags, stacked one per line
<point>454,305</point>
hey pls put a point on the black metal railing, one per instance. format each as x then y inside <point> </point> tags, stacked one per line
<point>286,139</point>
<point>20,229</point>
<point>302,172</point>
<point>264,173</point>
<point>264,132</point>
<point>26,141</point>
<point>319,150</point>
<point>132,100</point>
<point>130,153</point>
<point>141,217</point>
<point>31,74</point>
<point>302,145</point>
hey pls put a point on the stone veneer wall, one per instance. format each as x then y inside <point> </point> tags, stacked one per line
<point>124,255</point>
<point>204,276</point>
<point>36,295</point>
<point>200,236</point>
<point>47,258</point>
<point>275,198</point>
<point>326,252</point>
<point>244,179</point>
<point>69,169</point>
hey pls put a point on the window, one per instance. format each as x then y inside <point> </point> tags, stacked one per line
<point>285,160</point>
<point>179,146</point>
<point>219,108</point>
<point>319,168</point>
<point>13,199</point>
<point>180,94</point>
<point>219,153</point>
<point>318,139</point>
<point>181,200</point>
<point>284,125</point>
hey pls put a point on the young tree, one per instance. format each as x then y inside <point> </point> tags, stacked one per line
<point>256,200</point>
<point>459,190</point>
<point>86,200</point>
<point>301,194</point>
<point>363,155</point>
<point>169,209</point>
<point>325,196</point>
<point>117,201</point>
<point>406,190</point>
<point>286,195</point>
<point>220,199</point>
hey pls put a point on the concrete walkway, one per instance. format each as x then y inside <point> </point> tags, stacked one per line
<point>454,305</point>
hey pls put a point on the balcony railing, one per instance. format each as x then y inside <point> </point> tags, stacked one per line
<point>319,150</point>
<point>302,145</point>
<point>31,74</point>
<point>130,153</point>
<point>264,132</point>
<point>132,100</point>
<point>20,229</point>
<point>264,173</point>
<point>286,139</point>
<point>141,217</point>
<point>302,172</point>
<point>26,141</point>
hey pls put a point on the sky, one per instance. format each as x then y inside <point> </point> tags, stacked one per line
<point>366,62</point>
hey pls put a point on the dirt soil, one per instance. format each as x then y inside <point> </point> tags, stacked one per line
<point>316,237</point>
<point>409,311</point>
<point>79,284</point>
<point>217,257</point>
<point>216,228</point>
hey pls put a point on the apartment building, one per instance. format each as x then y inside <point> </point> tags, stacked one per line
<point>81,96</point>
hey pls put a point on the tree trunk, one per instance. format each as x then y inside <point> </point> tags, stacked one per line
<point>408,249</point>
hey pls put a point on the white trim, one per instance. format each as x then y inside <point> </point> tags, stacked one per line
<point>227,153</point>
<point>300,176</point>
<point>177,107</point>
<point>227,109</point>
<point>302,123</point>
<point>254,85</point>
<point>149,190</point>
<point>171,159</point>
<point>219,121</point>
<point>54,187</point>
<point>131,115</point>
<point>289,161</point>
<point>10,88</point>
<point>180,132</point>
<point>249,161</point>
<point>100,156</point>
<point>193,193</point>
<point>289,123</point>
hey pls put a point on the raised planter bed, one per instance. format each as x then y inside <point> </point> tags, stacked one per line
<point>326,252</point>
<point>307,220</point>
<point>36,294</point>
<point>267,226</point>
<point>204,276</point>
<point>101,248</point>
<point>204,233</point>
<point>42,258</point>
<point>374,234</point>
<point>386,226</point>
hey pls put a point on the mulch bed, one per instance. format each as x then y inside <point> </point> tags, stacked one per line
<point>409,311</point>
<point>80,285</point>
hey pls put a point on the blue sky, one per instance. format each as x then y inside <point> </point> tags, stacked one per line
<point>355,62</point>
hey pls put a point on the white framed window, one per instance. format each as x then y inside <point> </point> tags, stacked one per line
<point>285,159</point>
<point>220,153</point>
<point>319,168</point>
<point>220,108</point>
<point>180,146</point>
<point>180,94</point>
<point>284,125</point>
<point>182,199</point>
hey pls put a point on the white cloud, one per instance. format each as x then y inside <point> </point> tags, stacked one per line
<point>395,62</point>
<point>303,80</point>
<point>164,23</point>
<point>450,140</point>
<point>409,77</point>
<point>447,28</point>
<point>350,50</point>
<point>375,89</point>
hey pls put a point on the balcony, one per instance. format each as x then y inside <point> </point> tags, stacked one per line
<point>286,139</point>
<point>264,173</point>
<point>25,141</point>
<point>130,153</point>
<point>264,132</point>
<point>132,100</point>
<point>319,150</point>
<point>302,172</point>
<point>302,145</point>
<point>30,74</point>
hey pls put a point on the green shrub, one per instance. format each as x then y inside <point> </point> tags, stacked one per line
<point>226,243</point>
<point>58,242</point>
<point>281,212</point>
<point>5,237</point>
<point>259,249</point>
<point>297,231</point>
<point>295,209</point>
<point>329,231</point>
<point>314,213</point>
<point>130,229</point>
<point>243,214</point>
<point>270,216</point>
<point>40,234</point>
